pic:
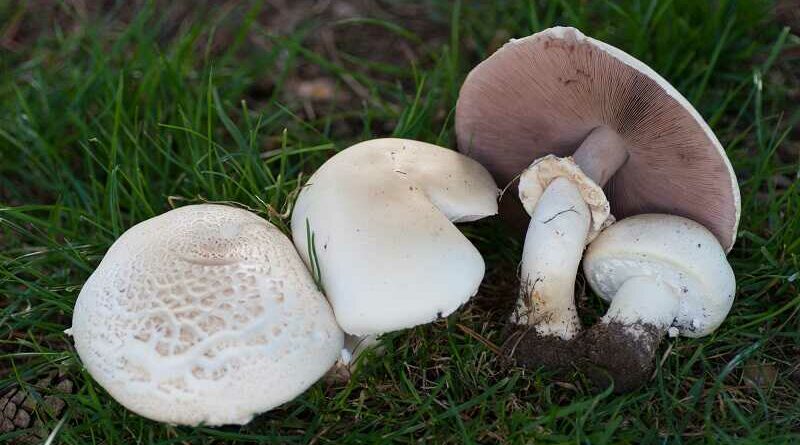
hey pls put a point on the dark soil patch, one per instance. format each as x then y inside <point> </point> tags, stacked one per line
<point>532,350</point>
<point>607,353</point>
<point>787,13</point>
<point>614,354</point>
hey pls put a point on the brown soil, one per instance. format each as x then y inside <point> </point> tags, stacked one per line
<point>614,354</point>
<point>606,353</point>
<point>532,350</point>
<point>787,13</point>
<point>339,374</point>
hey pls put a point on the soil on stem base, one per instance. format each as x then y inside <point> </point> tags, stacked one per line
<point>606,353</point>
<point>618,353</point>
<point>532,350</point>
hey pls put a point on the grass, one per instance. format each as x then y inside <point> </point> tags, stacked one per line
<point>108,118</point>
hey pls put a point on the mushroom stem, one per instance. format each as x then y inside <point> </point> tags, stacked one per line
<point>557,235</point>
<point>354,346</point>
<point>621,348</point>
<point>601,154</point>
<point>627,308</point>
<point>553,248</point>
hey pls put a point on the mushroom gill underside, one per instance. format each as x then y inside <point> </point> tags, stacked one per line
<point>595,120</point>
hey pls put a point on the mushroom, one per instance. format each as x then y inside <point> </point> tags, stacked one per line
<point>660,272</point>
<point>354,347</point>
<point>204,315</point>
<point>375,222</point>
<point>589,116</point>
<point>567,210</point>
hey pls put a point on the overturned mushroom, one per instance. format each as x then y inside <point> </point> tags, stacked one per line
<point>376,223</point>
<point>204,315</point>
<point>659,272</point>
<point>558,94</point>
<point>567,210</point>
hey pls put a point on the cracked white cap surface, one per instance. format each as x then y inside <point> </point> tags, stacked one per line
<point>204,314</point>
<point>381,213</point>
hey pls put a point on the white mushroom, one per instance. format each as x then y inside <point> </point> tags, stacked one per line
<point>567,210</point>
<point>354,347</point>
<point>380,215</point>
<point>204,315</point>
<point>591,118</point>
<point>658,271</point>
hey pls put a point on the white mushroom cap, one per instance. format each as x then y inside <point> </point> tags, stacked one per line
<point>381,214</point>
<point>678,252</point>
<point>204,314</point>
<point>535,179</point>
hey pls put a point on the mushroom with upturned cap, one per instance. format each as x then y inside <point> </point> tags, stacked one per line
<point>376,222</point>
<point>617,125</point>
<point>204,315</point>
<point>659,272</point>
<point>567,211</point>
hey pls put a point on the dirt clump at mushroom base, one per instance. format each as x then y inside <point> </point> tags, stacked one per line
<point>531,349</point>
<point>606,353</point>
<point>619,354</point>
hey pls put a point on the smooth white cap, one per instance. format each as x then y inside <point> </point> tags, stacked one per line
<point>381,213</point>
<point>204,314</point>
<point>677,251</point>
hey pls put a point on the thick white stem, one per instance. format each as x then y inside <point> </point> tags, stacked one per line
<point>557,236</point>
<point>601,154</point>
<point>553,248</point>
<point>644,301</point>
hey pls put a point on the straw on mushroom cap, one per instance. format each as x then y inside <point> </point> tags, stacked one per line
<point>380,215</point>
<point>626,129</point>
<point>204,315</point>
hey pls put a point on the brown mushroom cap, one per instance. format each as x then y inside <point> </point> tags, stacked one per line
<point>543,95</point>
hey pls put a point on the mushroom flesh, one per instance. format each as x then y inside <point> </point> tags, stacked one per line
<point>659,272</point>
<point>204,315</point>
<point>376,224</point>
<point>582,120</point>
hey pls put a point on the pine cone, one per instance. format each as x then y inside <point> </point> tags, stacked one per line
<point>18,407</point>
